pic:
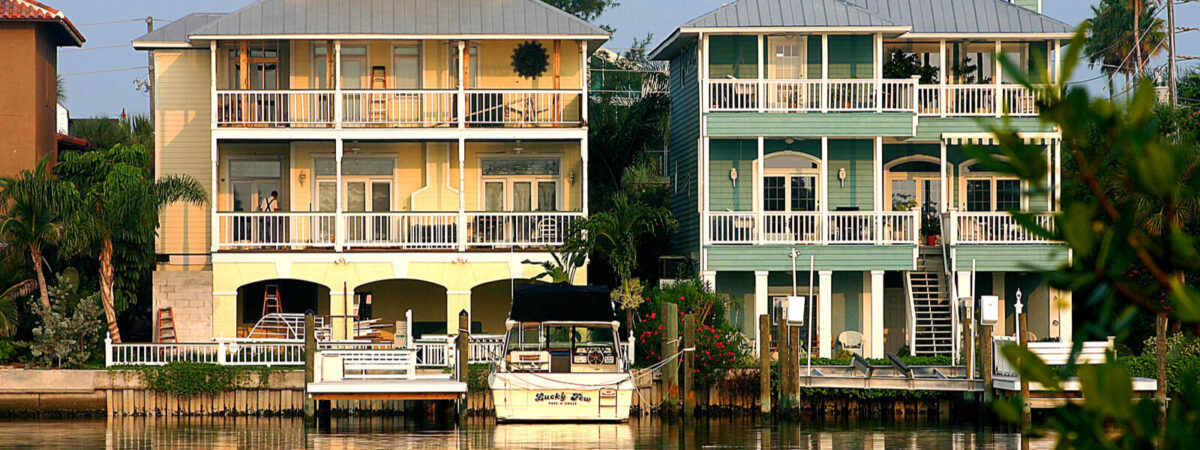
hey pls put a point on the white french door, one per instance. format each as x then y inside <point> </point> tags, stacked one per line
<point>520,194</point>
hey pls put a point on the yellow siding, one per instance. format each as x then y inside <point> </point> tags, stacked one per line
<point>182,141</point>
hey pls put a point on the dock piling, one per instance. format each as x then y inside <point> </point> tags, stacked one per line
<point>670,347</point>
<point>463,354</point>
<point>689,365</point>
<point>310,355</point>
<point>764,363</point>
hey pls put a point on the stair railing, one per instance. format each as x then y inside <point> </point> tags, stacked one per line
<point>947,267</point>
<point>912,315</point>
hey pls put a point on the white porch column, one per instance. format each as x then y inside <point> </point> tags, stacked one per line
<point>761,306</point>
<point>705,235</point>
<point>339,226</point>
<point>214,221</point>
<point>584,82</point>
<point>337,102</point>
<point>942,100</point>
<point>1057,205</point>
<point>758,191</point>
<point>824,202</point>
<point>1065,304</point>
<point>824,74</point>
<point>877,186</point>
<point>462,95</point>
<point>824,313</point>
<point>583,176</point>
<point>945,203</point>
<point>762,95</point>
<point>462,196</point>
<point>997,77</point>
<point>1057,60</point>
<point>877,69</point>
<point>874,345</point>
<point>709,277</point>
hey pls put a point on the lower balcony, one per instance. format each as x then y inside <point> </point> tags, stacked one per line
<point>995,228</point>
<point>814,227</point>
<point>404,231</point>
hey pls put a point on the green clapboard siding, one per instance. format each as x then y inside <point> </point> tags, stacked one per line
<point>814,56</point>
<point>850,56</point>
<point>847,301</point>
<point>827,257</point>
<point>931,128</point>
<point>733,55</point>
<point>724,193</point>
<point>746,124</point>
<point>1010,258</point>
<point>856,157</point>
<point>682,149</point>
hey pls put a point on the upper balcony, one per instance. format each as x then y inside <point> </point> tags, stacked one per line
<point>395,84</point>
<point>866,73</point>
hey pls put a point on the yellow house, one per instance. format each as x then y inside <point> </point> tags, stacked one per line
<point>366,159</point>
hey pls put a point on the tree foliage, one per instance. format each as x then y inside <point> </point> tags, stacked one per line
<point>36,209</point>
<point>118,216</point>
<point>1140,188</point>
<point>67,339</point>
<point>1110,41</point>
<point>905,65</point>
<point>584,9</point>
<point>106,133</point>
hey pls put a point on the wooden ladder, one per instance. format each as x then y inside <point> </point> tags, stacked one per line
<point>166,324</point>
<point>271,300</point>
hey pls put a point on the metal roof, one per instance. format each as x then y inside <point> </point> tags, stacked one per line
<point>176,33</point>
<point>977,17</point>
<point>963,16</point>
<point>791,13</point>
<point>399,17</point>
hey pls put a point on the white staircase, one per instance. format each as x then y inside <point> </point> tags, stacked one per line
<point>930,318</point>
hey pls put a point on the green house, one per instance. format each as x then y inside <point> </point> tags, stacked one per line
<point>837,128</point>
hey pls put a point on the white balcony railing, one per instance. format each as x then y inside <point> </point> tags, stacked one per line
<point>276,108</point>
<point>408,230</point>
<point>520,229</point>
<point>275,230</point>
<point>834,227</point>
<point>994,228</point>
<point>397,108</point>
<point>523,107</point>
<point>393,230</point>
<point>867,95</point>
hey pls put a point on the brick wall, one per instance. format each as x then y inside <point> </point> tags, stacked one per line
<point>189,294</point>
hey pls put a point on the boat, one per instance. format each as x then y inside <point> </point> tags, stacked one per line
<point>562,358</point>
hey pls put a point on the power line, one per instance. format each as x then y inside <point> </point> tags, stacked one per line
<point>111,22</point>
<point>73,50</point>
<point>105,71</point>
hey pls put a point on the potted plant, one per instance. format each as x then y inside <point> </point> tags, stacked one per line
<point>931,228</point>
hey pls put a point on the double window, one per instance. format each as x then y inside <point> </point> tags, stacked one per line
<point>520,184</point>
<point>797,192</point>
<point>993,194</point>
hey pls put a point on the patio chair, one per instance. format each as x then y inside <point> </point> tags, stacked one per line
<point>851,341</point>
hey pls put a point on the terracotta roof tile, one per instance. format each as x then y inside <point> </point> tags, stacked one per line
<point>32,10</point>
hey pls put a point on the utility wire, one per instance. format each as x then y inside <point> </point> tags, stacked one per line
<point>73,50</point>
<point>111,22</point>
<point>105,71</point>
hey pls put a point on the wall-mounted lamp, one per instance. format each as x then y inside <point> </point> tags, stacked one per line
<point>733,176</point>
<point>842,176</point>
<point>571,178</point>
<point>303,175</point>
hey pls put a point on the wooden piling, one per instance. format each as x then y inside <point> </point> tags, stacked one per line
<point>670,346</point>
<point>310,352</point>
<point>463,353</point>
<point>985,353</point>
<point>1023,338</point>
<point>764,363</point>
<point>689,365</point>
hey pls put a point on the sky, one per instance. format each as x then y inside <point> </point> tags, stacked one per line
<point>113,88</point>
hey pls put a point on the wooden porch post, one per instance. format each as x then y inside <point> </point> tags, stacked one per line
<point>244,77</point>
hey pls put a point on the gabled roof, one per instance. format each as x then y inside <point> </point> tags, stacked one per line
<point>31,11</point>
<point>791,13</point>
<point>293,18</point>
<point>902,17</point>
<point>963,16</point>
<point>175,34</point>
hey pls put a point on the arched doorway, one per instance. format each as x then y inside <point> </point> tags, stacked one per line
<point>490,304</point>
<point>295,296</point>
<point>388,300</point>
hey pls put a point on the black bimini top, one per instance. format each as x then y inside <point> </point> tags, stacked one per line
<point>561,302</point>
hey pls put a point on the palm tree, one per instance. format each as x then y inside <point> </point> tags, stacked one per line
<point>618,233</point>
<point>36,210</point>
<point>1110,40</point>
<point>120,203</point>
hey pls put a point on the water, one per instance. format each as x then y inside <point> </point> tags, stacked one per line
<point>380,432</point>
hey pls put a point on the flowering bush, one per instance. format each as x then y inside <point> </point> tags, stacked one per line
<point>717,342</point>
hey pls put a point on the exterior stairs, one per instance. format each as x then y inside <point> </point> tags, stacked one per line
<point>930,319</point>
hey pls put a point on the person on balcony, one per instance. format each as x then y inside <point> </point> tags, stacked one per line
<point>270,226</point>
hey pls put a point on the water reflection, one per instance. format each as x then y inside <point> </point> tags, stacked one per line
<point>399,432</point>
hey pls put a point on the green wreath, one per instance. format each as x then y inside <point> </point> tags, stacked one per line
<point>530,60</point>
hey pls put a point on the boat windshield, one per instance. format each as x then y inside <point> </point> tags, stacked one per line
<point>530,337</point>
<point>593,335</point>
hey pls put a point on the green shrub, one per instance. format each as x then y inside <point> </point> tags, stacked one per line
<point>719,346</point>
<point>187,379</point>
<point>477,377</point>
<point>1178,366</point>
<point>68,339</point>
<point>8,351</point>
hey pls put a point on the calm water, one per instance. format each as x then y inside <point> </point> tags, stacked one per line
<point>356,433</point>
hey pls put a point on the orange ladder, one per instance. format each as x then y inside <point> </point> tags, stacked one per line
<point>271,300</point>
<point>166,325</point>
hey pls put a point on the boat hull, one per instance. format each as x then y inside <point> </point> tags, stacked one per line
<point>568,397</point>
